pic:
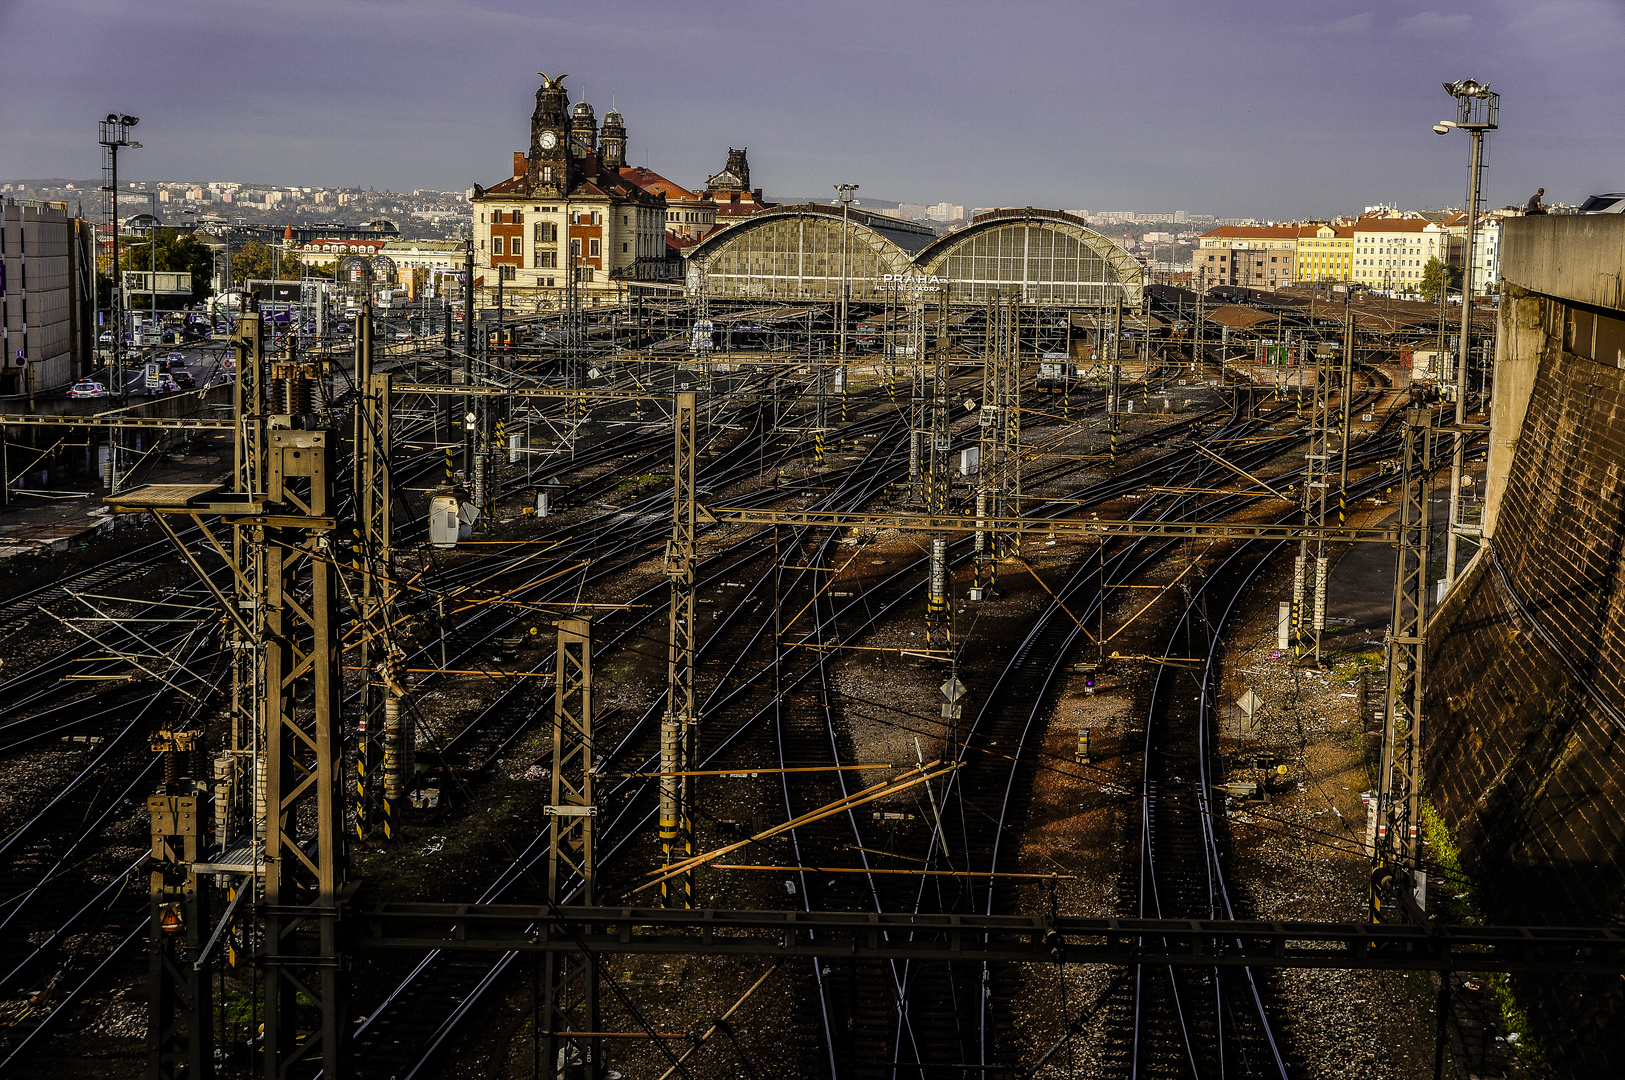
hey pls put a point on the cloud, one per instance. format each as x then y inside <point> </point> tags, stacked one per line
<point>1431,22</point>
<point>1354,24</point>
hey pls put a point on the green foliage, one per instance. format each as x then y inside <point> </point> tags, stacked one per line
<point>1430,278</point>
<point>259,261</point>
<point>174,252</point>
<point>1445,853</point>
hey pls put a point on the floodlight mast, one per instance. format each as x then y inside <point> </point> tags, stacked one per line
<point>1478,110</point>
<point>113,133</point>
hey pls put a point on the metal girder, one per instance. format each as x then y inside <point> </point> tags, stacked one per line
<point>999,466</point>
<point>1094,527</point>
<point>678,728</point>
<point>161,422</point>
<point>1010,938</point>
<point>572,980</point>
<point>383,731</point>
<point>304,843</point>
<point>523,391</point>
<point>1310,571</point>
<point>1397,851</point>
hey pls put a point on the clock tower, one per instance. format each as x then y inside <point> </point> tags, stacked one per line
<point>549,167</point>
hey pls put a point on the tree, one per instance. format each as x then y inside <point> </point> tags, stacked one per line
<point>259,261</point>
<point>175,252</point>
<point>1430,278</point>
<point>252,262</point>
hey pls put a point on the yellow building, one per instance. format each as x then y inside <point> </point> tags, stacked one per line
<point>1325,253</point>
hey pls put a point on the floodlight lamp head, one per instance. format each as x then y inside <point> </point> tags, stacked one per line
<point>129,121</point>
<point>112,118</point>
<point>1443,128</point>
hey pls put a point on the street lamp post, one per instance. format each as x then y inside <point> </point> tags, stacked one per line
<point>1478,110</point>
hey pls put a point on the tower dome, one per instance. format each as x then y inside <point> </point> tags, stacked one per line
<point>614,140</point>
<point>583,129</point>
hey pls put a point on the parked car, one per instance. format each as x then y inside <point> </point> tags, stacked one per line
<point>84,388</point>
<point>176,358</point>
<point>105,338</point>
<point>1611,203</point>
<point>183,379</point>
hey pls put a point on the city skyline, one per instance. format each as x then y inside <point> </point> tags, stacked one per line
<point>1276,111</point>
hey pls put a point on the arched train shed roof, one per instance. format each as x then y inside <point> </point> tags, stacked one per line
<point>804,253</point>
<point>1053,258</point>
<point>800,253</point>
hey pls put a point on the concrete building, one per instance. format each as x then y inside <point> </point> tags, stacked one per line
<point>1251,256</point>
<point>1325,253</point>
<point>1525,665</point>
<point>1390,253</point>
<point>47,298</point>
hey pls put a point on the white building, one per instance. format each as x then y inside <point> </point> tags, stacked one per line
<point>1390,253</point>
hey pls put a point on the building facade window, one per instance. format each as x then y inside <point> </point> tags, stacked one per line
<point>547,260</point>
<point>496,245</point>
<point>575,247</point>
<point>514,246</point>
<point>592,247</point>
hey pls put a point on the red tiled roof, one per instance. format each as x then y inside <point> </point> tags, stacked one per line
<point>655,184</point>
<point>1255,232</point>
<point>1391,225</point>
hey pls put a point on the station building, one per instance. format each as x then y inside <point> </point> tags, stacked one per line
<point>572,205</point>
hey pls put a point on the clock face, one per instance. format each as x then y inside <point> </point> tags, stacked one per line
<point>549,140</point>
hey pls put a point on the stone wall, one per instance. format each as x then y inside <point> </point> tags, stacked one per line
<point>1526,699</point>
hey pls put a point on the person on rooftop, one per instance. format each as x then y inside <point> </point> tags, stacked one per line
<point>1533,206</point>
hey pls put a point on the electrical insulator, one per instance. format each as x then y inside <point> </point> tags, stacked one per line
<point>468,421</point>
<point>1321,569</point>
<point>1297,585</point>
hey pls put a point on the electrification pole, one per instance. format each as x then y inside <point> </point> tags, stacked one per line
<point>677,730</point>
<point>1399,792</point>
<point>572,978</point>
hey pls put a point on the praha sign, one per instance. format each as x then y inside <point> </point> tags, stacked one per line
<point>911,283</point>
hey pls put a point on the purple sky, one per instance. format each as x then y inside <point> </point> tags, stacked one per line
<point>1278,108</point>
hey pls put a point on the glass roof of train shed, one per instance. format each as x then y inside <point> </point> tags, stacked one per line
<point>805,252</point>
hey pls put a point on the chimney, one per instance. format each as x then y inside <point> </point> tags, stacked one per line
<point>519,163</point>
